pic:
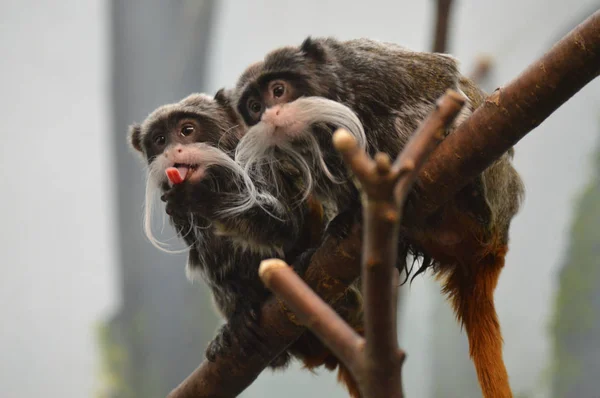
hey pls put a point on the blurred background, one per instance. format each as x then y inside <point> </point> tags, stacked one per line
<point>91,309</point>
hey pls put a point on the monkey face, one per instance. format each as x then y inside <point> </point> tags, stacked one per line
<point>195,136</point>
<point>275,92</point>
<point>297,136</point>
<point>283,76</point>
<point>190,135</point>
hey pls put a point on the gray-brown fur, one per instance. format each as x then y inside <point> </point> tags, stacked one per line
<point>224,250</point>
<point>392,89</point>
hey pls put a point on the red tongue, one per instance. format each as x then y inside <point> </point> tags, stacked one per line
<point>176,174</point>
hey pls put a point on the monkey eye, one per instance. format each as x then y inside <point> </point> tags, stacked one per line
<point>160,140</point>
<point>187,129</point>
<point>278,90</point>
<point>254,106</point>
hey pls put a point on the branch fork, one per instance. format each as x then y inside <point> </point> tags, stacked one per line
<point>375,360</point>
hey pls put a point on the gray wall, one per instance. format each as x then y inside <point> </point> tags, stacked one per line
<point>57,245</point>
<point>164,324</point>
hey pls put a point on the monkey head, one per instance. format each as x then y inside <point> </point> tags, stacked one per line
<point>296,137</point>
<point>291,102</point>
<point>196,136</point>
<point>285,75</point>
<point>180,133</point>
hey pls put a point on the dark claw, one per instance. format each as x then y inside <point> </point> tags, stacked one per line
<point>219,344</point>
<point>342,224</point>
<point>240,329</point>
<point>186,198</point>
<point>302,262</point>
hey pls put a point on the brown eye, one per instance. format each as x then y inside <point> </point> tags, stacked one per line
<point>278,90</point>
<point>160,140</point>
<point>254,106</point>
<point>187,129</point>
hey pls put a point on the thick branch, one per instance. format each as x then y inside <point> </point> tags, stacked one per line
<point>230,375</point>
<point>334,266</point>
<point>508,115</point>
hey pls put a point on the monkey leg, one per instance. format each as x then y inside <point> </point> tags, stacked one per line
<point>471,292</point>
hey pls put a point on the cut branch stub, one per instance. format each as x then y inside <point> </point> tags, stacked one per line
<point>312,311</point>
<point>435,126</point>
<point>375,177</point>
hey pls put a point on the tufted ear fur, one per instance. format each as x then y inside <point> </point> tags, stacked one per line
<point>222,98</point>
<point>314,50</point>
<point>135,137</point>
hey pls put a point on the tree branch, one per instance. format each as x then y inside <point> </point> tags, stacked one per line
<point>311,310</point>
<point>334,266</point>
<point>507,115</point>
<point>440,38</point>
<point>375,361</point>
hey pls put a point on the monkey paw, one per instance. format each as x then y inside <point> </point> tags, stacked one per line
<point>302,262</point>
<point>241,330</point>
<point>185,198</point>
<point>342,224</point>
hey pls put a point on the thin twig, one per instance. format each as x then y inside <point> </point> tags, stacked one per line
<point>311,310</point>
<point>440,38</point>
<point>483,65</point>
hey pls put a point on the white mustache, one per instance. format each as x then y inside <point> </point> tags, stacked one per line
<point>281,134</point>
<point>205,156</point>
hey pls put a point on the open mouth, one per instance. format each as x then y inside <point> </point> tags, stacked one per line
<point>181,172</point>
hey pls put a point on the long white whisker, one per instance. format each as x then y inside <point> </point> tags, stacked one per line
<point>278,137</point>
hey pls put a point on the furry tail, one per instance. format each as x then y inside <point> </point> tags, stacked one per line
<point>313,353</point>
<point>330,362</point>
<point>471,292</point>
<point>346,378</point>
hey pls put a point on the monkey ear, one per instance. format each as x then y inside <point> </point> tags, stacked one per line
<point>221,97</point>
<point>135,137</point>
<point>314,50</point>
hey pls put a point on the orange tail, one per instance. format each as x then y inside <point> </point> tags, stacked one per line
<point>314,354</point>
<point>471,292</point>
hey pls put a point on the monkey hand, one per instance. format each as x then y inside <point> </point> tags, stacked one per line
<point>302,261</point>
<point>242,329</point>
<point>190,197</point>
<point>341,226</point>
